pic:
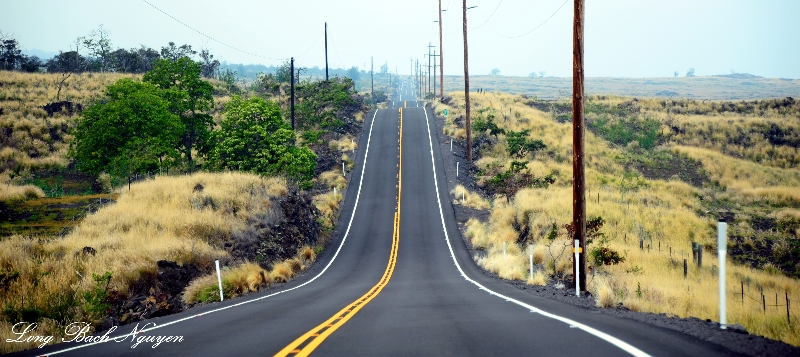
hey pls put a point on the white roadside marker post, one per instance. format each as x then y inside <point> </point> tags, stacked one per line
<point>451,144</point>
<point>344,173</point>
<point>456,168</point>
<point>353,146</point>
<point>334,192</point>
<point>219,280</point>
<point>722,248</point>
<point>577,268</point>
<point>530,251</point>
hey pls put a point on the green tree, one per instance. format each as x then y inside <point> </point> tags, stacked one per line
<point>254,137</point>
<point>519,145</point>
<point>190,97</point>
<point>353,73</point>
<point>130,130</point>
<point>322,104</point>
<point>481,125</point>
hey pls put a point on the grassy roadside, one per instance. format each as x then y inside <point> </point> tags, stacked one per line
<point>83,248</point>
<point>663,190</point>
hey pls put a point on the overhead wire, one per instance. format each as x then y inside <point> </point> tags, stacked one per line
<point>209,37</point>
<point>535,28</point>
<point>490,16</point>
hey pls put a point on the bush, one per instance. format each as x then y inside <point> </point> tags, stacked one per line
<point>519,145</point>
<point>96,300</point>
<point>605,256</point>
<point>255,138</point>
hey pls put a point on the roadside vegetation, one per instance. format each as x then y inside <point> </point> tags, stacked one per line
<point>119,190</point>
<point>659,174</point>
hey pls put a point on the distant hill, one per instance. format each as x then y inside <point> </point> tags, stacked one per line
<point>738,75</point>
<point>42,54</point>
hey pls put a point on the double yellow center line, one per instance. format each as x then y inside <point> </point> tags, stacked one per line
<point>305,344</point>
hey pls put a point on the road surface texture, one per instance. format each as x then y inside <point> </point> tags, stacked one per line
<point>383,288</point>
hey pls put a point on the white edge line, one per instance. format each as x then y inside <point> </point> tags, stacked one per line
<point>602,335</point>
<point>361,180</point>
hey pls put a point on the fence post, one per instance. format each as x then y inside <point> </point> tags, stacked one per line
<point>722,249</point>
<point>219,279</point>
<point>685,268</point>
<point>788,316</point>
<point>699,255</point>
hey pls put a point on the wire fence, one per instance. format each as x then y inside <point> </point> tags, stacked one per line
<point>751,295</point>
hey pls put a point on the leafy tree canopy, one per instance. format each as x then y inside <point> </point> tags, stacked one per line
<point>519,145</point>
<point>130,130</point>
<point>322,104</point>
<point>255,138</point>
<point>189,97</point>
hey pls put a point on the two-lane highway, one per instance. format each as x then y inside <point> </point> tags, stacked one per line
<point>399,283</point>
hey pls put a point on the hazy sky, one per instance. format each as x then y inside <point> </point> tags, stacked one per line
<point>624,38</point>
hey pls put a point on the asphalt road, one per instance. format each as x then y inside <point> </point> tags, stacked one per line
<point>429,299</point>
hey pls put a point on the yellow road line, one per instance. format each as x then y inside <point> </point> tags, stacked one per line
<point>305,344</point>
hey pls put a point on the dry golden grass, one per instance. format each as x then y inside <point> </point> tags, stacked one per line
<point>768,183</point>
<point>539,279</point>
<point>37,140</point>
<point>344,144</point>
<point>19,193</point>
<point>348,162</point>
<point>247,277</point>
<point>328,206</point>
<point>668,213</point>
<point>465,197</point>
<point>333,179</point>
<point>169,218</point>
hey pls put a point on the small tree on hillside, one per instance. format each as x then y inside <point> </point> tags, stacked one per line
<point>690,72</point>
<point>190,97</point>
<point>130,130</point>
<point>519,145</point>
<point>99,45</point>
<point>255,138</point>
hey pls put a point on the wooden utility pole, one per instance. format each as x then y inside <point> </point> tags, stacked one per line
<point>429,69</point>
<point>441,53</point>
<point>291,69</point>
<point>578,175</point>
<point>326,51</point>
<point>466,87</point>
<point>434,73</point>
<point>372,78</point>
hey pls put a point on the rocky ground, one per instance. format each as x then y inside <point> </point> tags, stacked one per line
<point>735,338</point>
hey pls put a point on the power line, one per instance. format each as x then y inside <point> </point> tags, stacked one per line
<point>310,47</point>
<point>535,28</point>
<point>209,37</point>
<point>490,16</point>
